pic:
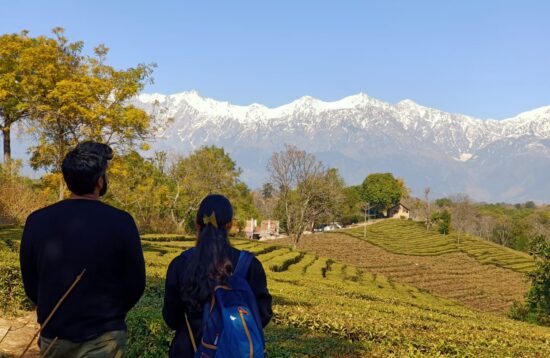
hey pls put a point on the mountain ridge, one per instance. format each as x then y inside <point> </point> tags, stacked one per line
<point>374,135</point>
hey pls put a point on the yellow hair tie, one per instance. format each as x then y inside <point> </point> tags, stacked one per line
<point>210,220</point>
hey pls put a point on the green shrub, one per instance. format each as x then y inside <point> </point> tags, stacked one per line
<point>12,293</point>
<point>166,237</point>
<point>148,335</point>
<point>285,262</point>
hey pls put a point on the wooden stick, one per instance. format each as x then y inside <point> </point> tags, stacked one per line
<point>77,279</point>
<point>49,348</point>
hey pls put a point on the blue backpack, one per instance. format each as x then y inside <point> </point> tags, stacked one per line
<point>231,326</point>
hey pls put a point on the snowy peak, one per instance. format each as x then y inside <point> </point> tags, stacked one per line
<point>222,109</point>
<point>358,134</point>
<point>455,134</point>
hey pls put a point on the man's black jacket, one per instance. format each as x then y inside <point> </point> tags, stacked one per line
<point>62,240</point>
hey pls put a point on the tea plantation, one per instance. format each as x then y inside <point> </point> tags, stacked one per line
<point>412,238</point>
<point>324,307</point>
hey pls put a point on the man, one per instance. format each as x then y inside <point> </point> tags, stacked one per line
<point>82,234</point>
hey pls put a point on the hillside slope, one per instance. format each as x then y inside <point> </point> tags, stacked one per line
<point>476,273</point>
<point>412,238</point>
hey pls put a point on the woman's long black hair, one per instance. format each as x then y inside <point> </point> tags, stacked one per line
<point>209,265</point>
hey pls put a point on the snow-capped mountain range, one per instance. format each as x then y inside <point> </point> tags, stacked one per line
<point>491,160</point>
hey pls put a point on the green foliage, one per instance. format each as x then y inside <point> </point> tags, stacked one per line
<point>443,202</point>
<point>208,170</point>
<point>352,208</point>
<point>514,226</point>
<point>166,200</point>
<point>381,190</point>
<point>327,197</point>
<point>267,191</point>
<point>166,237</point>
<point>509,225</point>
<point>282,263</point>
<point>148,334</point>
<point>12,294</point>
<point>530,205</point>
<point>536,309</point>
<point>140,186</point>
<point>443,220</point>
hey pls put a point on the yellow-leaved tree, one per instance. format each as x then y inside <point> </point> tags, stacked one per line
<point>72,98</point>
<point>13,106</point>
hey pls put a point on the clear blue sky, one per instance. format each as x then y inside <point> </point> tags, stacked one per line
<point>483,58</point>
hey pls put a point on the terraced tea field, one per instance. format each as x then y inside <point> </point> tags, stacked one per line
<point>330,308</point>
<point>405,252</point>
<point>455,276</point>
<point>412,238</point>
<point>325,307</point>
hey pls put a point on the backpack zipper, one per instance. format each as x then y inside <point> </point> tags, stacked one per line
<point>243,312</point>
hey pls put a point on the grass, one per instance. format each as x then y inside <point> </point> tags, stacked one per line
<point>328,308</point>
<point>411,238</point>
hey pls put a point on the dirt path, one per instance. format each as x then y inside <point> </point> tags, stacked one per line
<point>15,334</point>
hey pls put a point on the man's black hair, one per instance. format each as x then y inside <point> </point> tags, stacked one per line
<point>84,165</point>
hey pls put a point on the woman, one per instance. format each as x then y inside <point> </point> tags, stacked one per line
<point>192,276</point>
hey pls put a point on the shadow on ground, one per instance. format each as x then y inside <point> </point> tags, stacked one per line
<point>294,342</point>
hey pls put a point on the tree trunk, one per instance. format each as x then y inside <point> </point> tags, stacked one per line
<point>6,133</point>
<point>60,157</point>
<point>61,188</point>
<point>295,238</point>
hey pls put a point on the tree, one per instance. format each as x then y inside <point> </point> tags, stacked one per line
<point>530,205</point>
<point>267,190</point>
<point>462,213</point>
<point>328,198</point>
<point>443,219</point>
<point>140,186</point>
<point>13,107</point>
<point>444,202</point>
<point>405,191</point>
<point>538,296</point>
<point>427,208</point>
<point>502,232</point>
<point>76,98</point>
<point>536,309</point>
<point>382,190</point>
<point>19,196</point>
<point>351,211</point>
<point>265,200</point>
<point>297,175</point>
<point>208,170</point>
<point>243,204</point>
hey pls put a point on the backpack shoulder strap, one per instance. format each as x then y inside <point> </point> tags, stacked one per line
<point>245,259</point>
